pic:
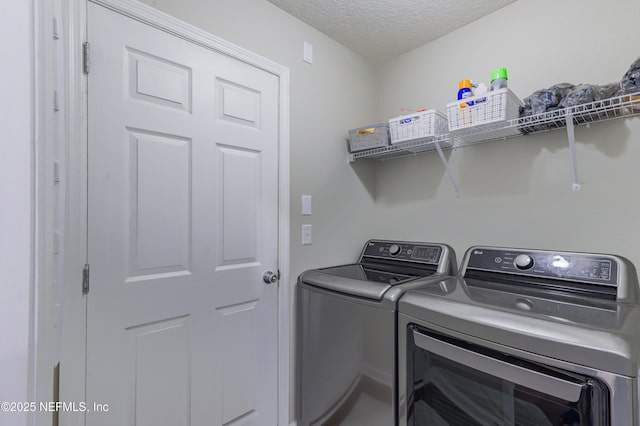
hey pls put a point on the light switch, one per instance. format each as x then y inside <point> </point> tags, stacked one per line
<point>307,52</point>
<point>306,205</point>
<point>306,235</point>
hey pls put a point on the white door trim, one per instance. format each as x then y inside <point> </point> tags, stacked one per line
<point>73,360</point>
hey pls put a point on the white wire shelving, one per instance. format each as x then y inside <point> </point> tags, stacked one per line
<point>584,114</point>
<point>403,149</point>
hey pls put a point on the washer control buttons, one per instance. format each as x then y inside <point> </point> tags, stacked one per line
<point>523,261</point>
<point>394,249</point>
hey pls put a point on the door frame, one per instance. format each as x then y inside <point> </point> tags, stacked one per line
<point>73,355</point>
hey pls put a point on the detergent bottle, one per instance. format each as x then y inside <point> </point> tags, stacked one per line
<point>464,92</point>
<point>464,89</point>
<point>499,79</point>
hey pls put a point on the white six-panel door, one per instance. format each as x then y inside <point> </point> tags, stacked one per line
<point>182,224</point>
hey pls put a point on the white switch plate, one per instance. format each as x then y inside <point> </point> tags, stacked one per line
<point>307,52</point>
<point>306,205</point>
<point>306,235</point>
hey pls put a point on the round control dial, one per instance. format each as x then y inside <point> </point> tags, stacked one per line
<point>394,249</point>
<point>523,261</point>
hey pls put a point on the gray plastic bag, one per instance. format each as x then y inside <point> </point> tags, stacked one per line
<point>630,82</point>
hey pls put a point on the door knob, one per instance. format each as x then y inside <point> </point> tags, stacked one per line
<point>269,277</point>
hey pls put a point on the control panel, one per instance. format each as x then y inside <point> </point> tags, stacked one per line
<point>403,251</point>
<point>579,267</point>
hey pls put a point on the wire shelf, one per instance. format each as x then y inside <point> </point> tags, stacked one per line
<point>584,114</point>
<point>404,149</point>
<point>488,132</point>
<point>602,110</point>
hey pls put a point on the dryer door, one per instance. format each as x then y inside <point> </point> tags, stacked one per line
<point>452,382</point>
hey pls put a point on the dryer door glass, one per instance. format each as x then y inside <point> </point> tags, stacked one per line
<point>455,383</point>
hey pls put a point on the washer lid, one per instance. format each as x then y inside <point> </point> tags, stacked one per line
<point>596,334</point>
<point>384,264</point>
<point>356,280</point>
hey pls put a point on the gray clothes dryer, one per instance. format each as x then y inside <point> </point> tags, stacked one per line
<point>346,331</point>
<point>522,337</point>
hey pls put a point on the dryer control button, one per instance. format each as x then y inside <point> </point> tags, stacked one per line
<point>523,261</point>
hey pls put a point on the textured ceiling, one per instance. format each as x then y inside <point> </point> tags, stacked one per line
<point>382,29</point>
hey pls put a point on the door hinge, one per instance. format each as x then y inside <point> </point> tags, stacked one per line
<point>86,57</point>
<point>85,279</point>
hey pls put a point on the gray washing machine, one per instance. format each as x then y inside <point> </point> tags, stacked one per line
<point>522,337</point>
<point>346,331</point>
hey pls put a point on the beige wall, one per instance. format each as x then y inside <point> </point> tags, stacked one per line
<point>518,192</point>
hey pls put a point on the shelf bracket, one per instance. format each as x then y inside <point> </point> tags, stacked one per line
<point>572,149</point>
<point>456,190</point>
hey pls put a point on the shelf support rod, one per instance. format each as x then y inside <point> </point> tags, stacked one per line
<point>572,149</point>
<point>456,191</point>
